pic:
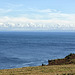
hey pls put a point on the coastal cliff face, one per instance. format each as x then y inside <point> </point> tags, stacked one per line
<point>70,59</point>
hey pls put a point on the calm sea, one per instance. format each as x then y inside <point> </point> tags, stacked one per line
<point>22,49</point>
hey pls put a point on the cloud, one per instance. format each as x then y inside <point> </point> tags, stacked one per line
<point>42,10</point>
<point>48,20</point>
<point>13,5</point>
<point>25,23</point>
<point>5,10</point>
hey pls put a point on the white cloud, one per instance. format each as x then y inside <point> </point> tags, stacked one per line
<point>5,10</point>
<point>22,22</point>
<point>51,20</point>
<point>42,10</point>
<point>13,5</point>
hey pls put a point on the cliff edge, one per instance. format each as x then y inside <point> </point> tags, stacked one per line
<point>69,59</point>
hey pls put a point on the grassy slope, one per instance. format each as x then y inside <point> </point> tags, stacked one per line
<point>41,70</point>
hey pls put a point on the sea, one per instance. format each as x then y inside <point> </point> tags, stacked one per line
<point>24,49</point>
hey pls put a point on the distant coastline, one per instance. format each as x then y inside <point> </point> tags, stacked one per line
<point>54,67</point>
<point>69,59</point>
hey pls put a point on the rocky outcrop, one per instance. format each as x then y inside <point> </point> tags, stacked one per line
<point>70,59</point>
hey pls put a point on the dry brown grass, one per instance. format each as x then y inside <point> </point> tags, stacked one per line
<point>41,70</point>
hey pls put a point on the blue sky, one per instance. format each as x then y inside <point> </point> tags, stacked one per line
<point>35,15</point>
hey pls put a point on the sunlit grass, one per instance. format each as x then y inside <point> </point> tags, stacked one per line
<point>41,70</point>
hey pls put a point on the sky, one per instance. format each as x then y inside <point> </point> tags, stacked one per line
<point>37,15</point>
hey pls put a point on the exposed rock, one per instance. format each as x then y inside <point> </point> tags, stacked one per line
<point>70,59</point>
